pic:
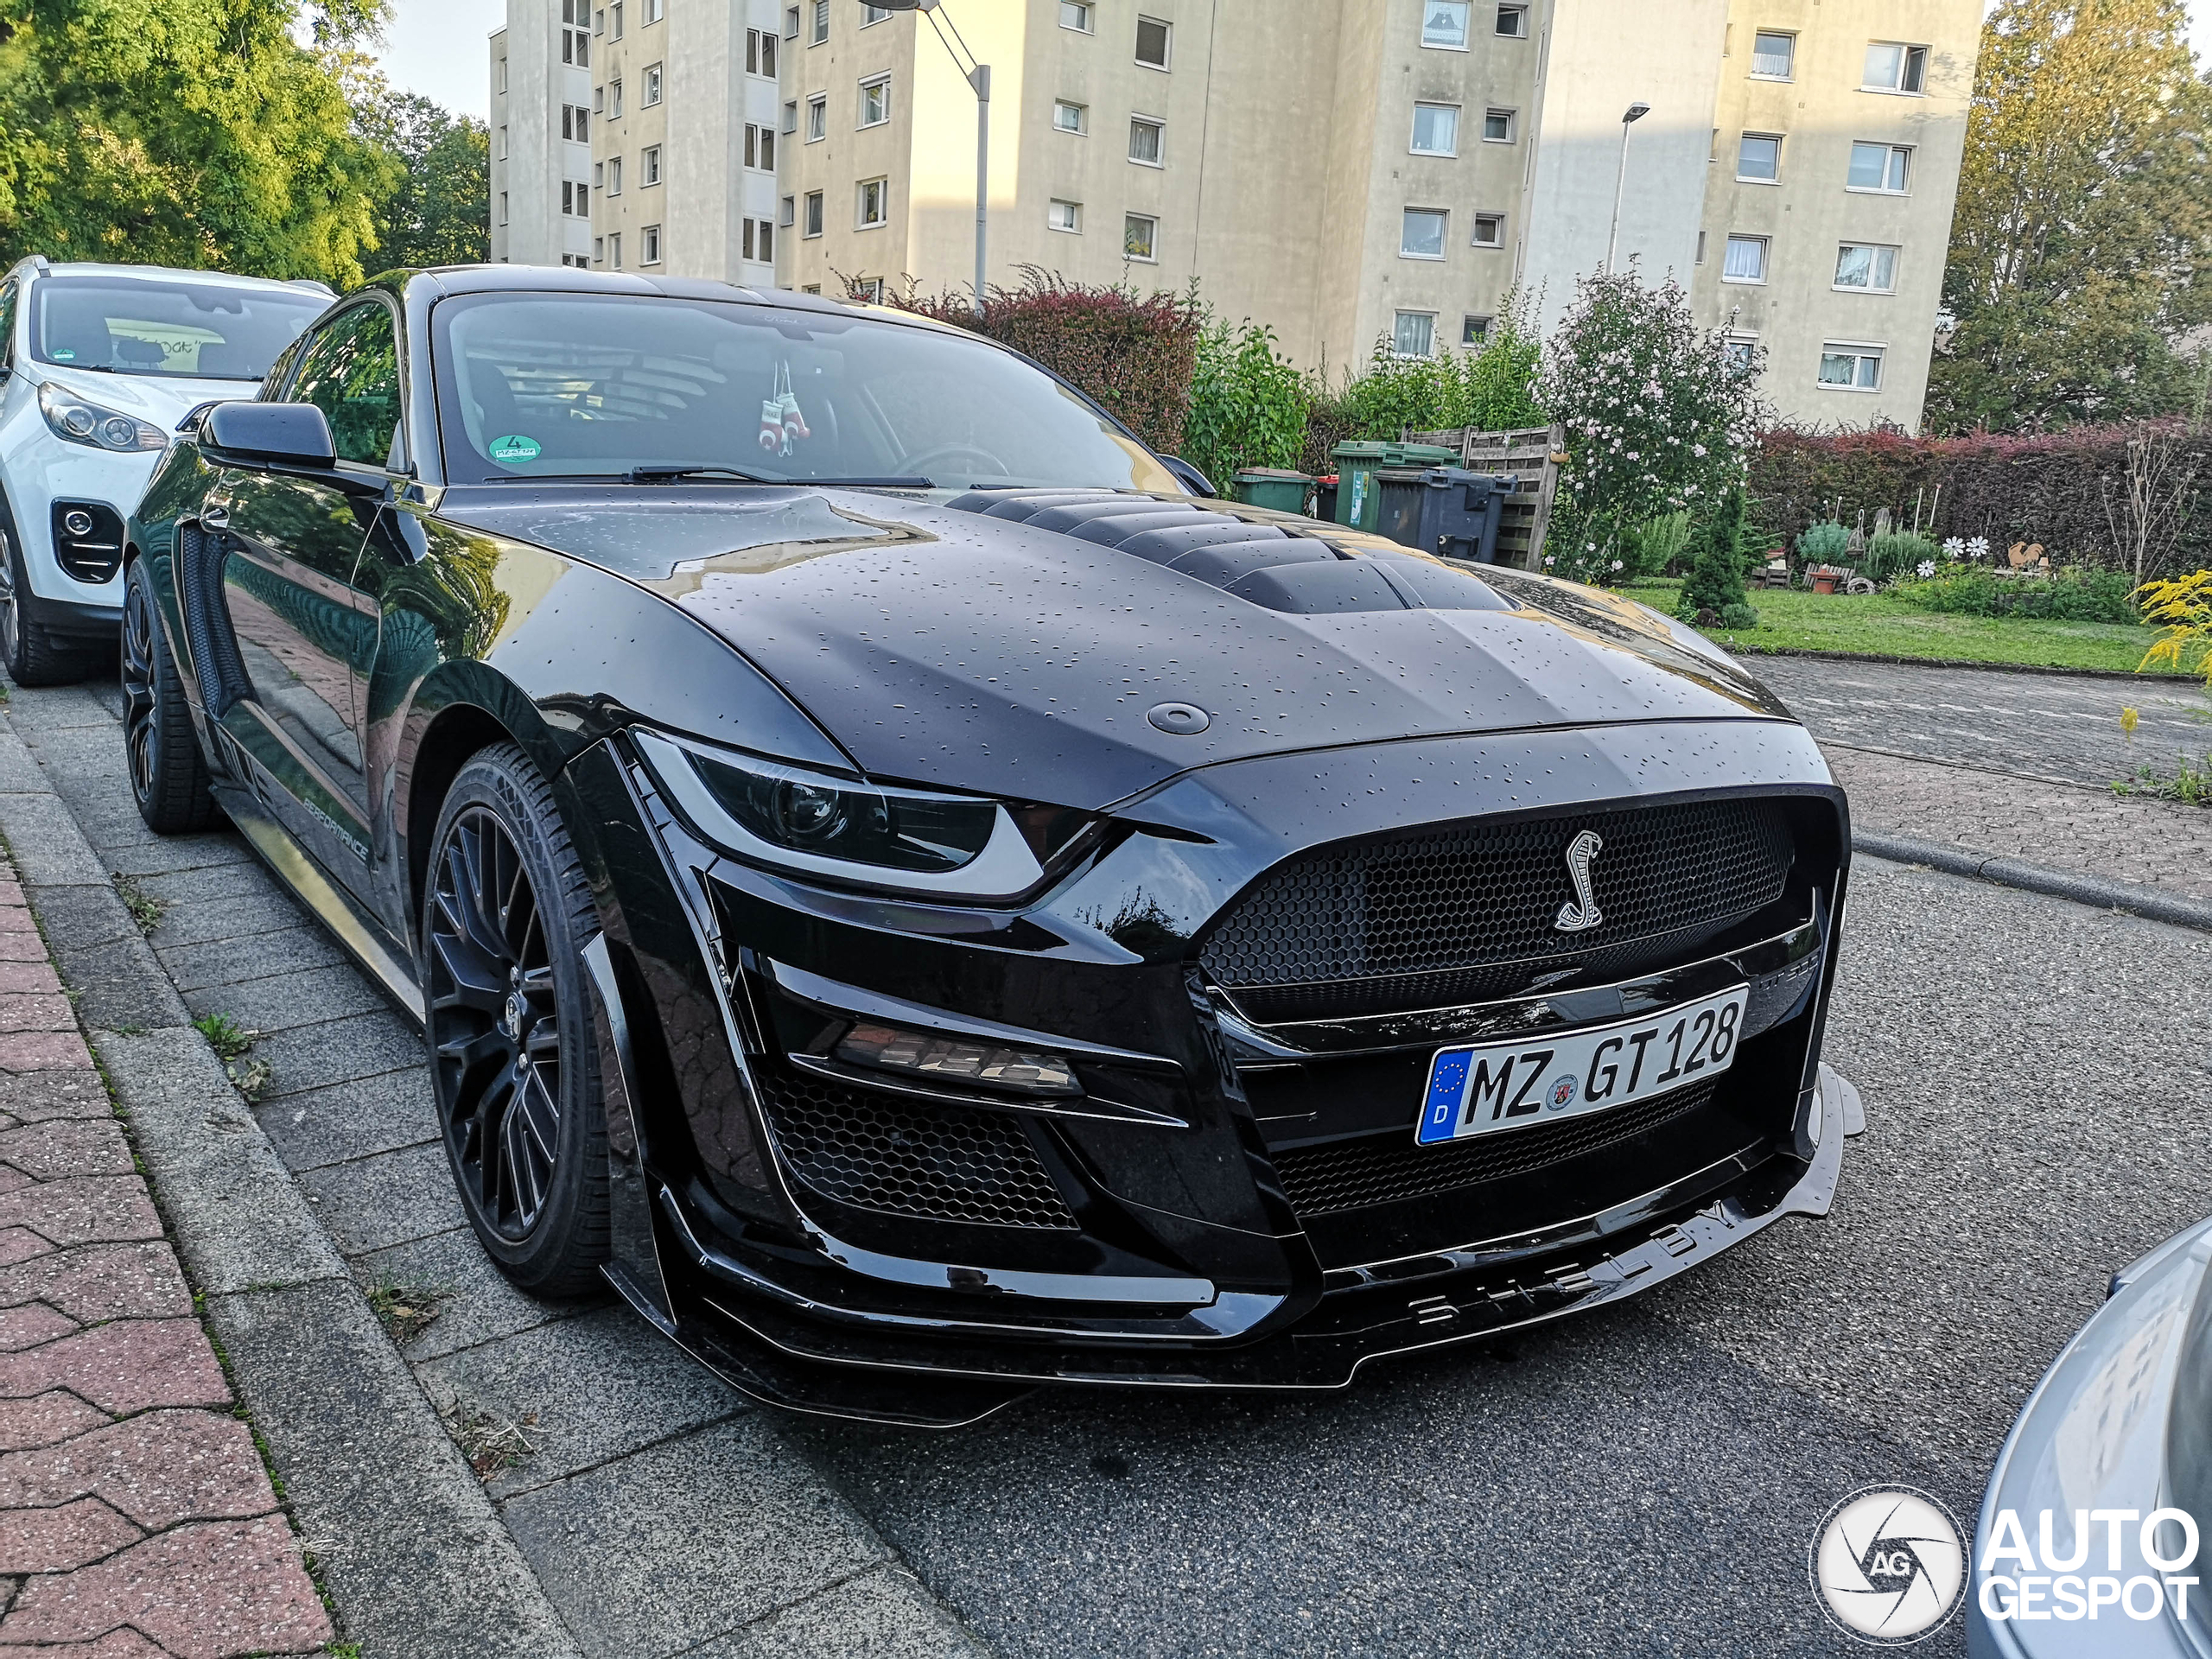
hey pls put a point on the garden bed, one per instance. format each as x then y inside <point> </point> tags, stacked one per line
<point>1873,625</point>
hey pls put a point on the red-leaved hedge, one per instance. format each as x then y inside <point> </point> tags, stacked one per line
<point>2067,490</point>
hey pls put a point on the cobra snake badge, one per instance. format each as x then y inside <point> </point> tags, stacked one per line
<point>1581,912</point>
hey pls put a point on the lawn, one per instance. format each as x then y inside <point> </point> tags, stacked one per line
<point>1795,620</point>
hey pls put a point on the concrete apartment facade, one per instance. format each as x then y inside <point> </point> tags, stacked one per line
<point>541,79</point>
<point>1354,170</point>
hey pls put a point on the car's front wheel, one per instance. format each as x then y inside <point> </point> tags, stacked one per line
<point>168,775</point>
<point>33,655</point>
<point>514,1059</point>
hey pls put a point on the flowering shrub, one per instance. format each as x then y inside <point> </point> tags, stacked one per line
<point>1658,417</point>
<point>2183,610</point>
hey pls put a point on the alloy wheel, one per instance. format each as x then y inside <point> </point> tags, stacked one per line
<point>141,734</point>
<point>9,621</point>
<point>494,1024</point>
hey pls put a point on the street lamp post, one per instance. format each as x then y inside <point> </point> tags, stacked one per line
<point>1634,113</point>
<point>978,77</point>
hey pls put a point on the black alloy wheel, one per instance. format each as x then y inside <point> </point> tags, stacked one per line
<point>513,1053</point>
<point>168,774</point>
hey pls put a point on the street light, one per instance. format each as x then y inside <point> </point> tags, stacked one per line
<point>1634,113</point>
<point>978,77</point>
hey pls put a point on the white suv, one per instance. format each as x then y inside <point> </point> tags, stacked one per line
<point>98,363</point>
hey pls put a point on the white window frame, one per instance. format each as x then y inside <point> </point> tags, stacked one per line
<point>503,207</point>
<point>599,175</point>
<point>614,99</point>
<point>1413,140</point>
<point>1166,63</point>
<point>787,213</point>
<point>1744,338</point>
<point>1774,138</point>
<point>614,176</point>
<point>650,93</point>
<point>1890,153</point>
<point>1873,267</point>
<point>816,216</point>
<point>1519,16</point>
<point>1788,34</point>
<point>615,249</point>
<point>617,28</point>
<point>1475,232</point>
<point>1082,127</point>
<point>791,118</point>
<point>1904,49</point>
<point>1152,222</point>
<point>648,167</point>
<point>818,35</point>
<point>1860,349</point>
<point>1063,216</point>
<point>871,15</point>
<point>1158,140</point>
<point>599,250</point>
<point>1398,320</point>
<point>1474,331</point>
<point>1766,258</point>
<point>860,221</point>
<point>1466,26</point>
<point>655,10</point>
<point>1085,10</point>
<point>1443,217</point>
<point>791,22</point>
<point>817,117</point>
<point>649,245</point>
<point>1512,125</point>
<point>879,85</point>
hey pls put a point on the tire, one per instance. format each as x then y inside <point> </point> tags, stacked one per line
<point>514,1061</point>
<point>168,774</point>
<point>32,656</point>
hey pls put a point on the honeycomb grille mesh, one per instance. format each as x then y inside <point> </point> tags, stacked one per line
<point>904,1157</point>
<point>1386,1169</point>
<point>1469,911</point>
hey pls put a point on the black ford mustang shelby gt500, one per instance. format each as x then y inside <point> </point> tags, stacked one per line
<point>928,906</point>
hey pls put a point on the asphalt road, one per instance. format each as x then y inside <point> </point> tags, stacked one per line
<point>1645,1480</point>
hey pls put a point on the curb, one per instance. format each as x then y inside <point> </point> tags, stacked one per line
<point>2160,678</point>
<point>2098,890</point>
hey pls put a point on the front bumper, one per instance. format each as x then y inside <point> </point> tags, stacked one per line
<point>1151,1238</point>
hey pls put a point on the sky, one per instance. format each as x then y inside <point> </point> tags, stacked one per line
<point>437,48</point>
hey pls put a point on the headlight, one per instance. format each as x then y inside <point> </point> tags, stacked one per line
<point>76,421</point>
<point>848,830</point>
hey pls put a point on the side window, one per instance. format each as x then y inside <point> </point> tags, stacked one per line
<point>7,325</point>
<point>350,370</point>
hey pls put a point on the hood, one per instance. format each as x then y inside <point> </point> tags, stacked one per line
<point>159,400</point>
<point>1020,642</point>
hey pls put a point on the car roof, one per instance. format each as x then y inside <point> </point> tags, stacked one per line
<point>449,280</point>
<point>223,278</point>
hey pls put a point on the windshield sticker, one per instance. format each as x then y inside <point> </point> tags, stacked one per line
<point>65,357</point>
<point>514,447</point>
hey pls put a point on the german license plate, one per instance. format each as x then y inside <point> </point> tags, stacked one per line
<point>1488,1086</point>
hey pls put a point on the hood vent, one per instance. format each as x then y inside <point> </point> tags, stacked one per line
<point>1297,571</point>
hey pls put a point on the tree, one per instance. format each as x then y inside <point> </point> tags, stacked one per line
<point>187,133</point>
<point>1716,579</point>
<point>1660,417</point>
<point>438,212</point>
<point>2084,213</point>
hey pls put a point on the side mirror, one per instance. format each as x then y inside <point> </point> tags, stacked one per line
<point>294,434</point>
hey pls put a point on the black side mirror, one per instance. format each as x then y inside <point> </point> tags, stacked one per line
<point>289,435</point>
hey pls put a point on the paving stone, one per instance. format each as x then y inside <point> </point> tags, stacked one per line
<point>559,1380</point>
<point>17,947</point>
<point>207,1591</point>
<point>81,916</point>
<point>46,846</point>
<point>373,1202</point>
<point>28,976</point>
<point>43,1095</point>
<point>57,1539</point>
<point>315,1057</point>
<point>882,1614</point>
<point>45,1421</point>
<point>119,986</point>
<point>477,1304</point>
<point>117,1644</point>
<point>173,853</point>
<point>158,1468</point>
<point>226,880</point>
<point>36,1011</point>
<point>327,1126</point>
<point>234,915</point>
<point>43,1051</point>
<point>128,1365</point>
<point>224,962</point>
<point>283,1001</point>
<point>103,1209</point>
<point>62,1146</point>
<point>101,1282</point>
<point>29,1325</point>
<point>21,1244</point>
<point>684,1541</point>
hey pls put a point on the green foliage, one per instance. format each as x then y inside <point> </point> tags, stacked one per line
<point>224,1035</point>
<point>195,133</point>
<point>1248,404</point>
<point>2182,610</point>
<point>1492,389</point>
<point>1897,554</point>
<point>2190,785</point>
<point>439,210</point>
<point>1824,543</point>
<point>2073,595</point>
<point>1649,549</point>
<point>1716,578</point>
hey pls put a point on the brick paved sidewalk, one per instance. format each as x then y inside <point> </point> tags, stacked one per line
<point>136,1517</point>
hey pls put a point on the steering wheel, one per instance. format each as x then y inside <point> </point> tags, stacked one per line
<point>925,460</point>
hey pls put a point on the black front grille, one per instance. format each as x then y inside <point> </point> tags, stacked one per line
<point>1386,1169</point>
<point>1465,913</point>
<point>902,1157</point>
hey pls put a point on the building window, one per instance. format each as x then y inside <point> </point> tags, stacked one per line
<point>817,117</point>
<point>1700,247</point>
<point>652,85</point>
<point>502,152</point>
<point>1774,57</point>
<point>1879,167</point>
<point>875,203</point>
<point>655,10</point>
<point>821,22</point>
<point>866,290</point>
<point>1490,229</point>
<point>791,115</point>
<point>576,198</point>
<point>1414,334</point>
<point>1140,238</point>
<point>599,21</point>
<point>503,76</point>
<point>1851,368</point>
<point>1436,130</point>
<point>1474,331</point>
<point>759,240</point>
<point>599,250</point>
<point>1071,117</point>
<point>598,173</point>
<point>1065,216</point>
<point>787,211</point>
<point>1443,22</point>
<point>791,22</point>
<point>575,122</point>
<point>760,147</point>
<point>599,99</point>
<point>1076,15</point>
<point>813,226</point>
<point>1421,232</point>
<point>1147,141</point>
<point>503,207</point>
<point>649,245</point>
<point>1740,353</point>
<point>614,176</point>
<point>1867,268</point>
<point>1513,22</point>
<point>1151,42</point>
<point>873,14</point>
<point>1745,261</point>
<point>613,100</point>
<point>649,166</point>
<point>616,9</point>
<point>1894,68</point>
<point>1758,158</point>
<point>875,101</point>
<point>615,249</point>
<point>1497,126</point>
<point>760,52</point>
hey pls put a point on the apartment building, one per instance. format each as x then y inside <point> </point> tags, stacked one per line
<point>1350,170</point>
<point>656,150</point>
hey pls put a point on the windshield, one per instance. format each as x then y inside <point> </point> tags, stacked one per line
<point>184,330</point>
<point>560,385</point>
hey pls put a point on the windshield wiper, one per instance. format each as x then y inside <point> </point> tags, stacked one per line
<point>664,475</point>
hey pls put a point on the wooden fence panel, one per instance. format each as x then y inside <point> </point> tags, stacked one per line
<point>1531,454</point>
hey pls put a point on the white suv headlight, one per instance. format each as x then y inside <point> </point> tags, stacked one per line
<point>76,421</point>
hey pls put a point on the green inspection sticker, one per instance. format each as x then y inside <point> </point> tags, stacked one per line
<point>514,447</point>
